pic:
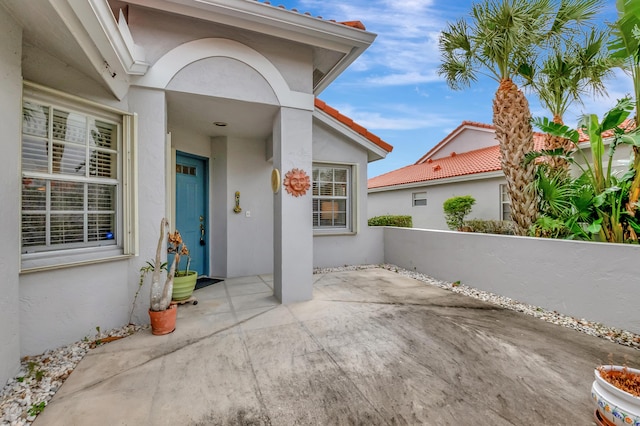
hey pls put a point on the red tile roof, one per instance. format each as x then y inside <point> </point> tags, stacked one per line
<point>627,125</point>
<point>322,106</point>
<point>457,164</point>
<point>353,24</point>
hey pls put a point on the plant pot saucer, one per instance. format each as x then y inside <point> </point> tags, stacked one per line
<point>191,300</point>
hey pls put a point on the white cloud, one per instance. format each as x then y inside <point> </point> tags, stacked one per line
<point>395,117</point>
<point>406,49</point>
<point>403,79</point>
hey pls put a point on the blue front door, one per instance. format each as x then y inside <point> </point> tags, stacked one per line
<point>191,209</point>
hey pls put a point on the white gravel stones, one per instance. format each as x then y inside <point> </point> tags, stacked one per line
<point>615,335</point>
<point>40,376</point>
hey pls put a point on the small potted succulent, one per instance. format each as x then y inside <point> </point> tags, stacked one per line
<point>161,312</point>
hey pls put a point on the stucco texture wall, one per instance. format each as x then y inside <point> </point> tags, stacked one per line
<point>597,281</point>
<point>365,245</point>
<point>159,32</point>
<point>399,202</point>
<point>10,107</point>
<point>242,245</point>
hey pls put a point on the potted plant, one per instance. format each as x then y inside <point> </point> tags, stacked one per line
<point>184,280</point>
<point>161,312</point>
<point>616,394</point>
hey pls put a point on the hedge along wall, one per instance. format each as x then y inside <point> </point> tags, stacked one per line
<point>390,220</point>
<point>596,281</point>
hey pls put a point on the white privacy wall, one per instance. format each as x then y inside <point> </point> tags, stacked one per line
<point>596,281</point>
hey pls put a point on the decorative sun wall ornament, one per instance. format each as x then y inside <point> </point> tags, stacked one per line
<point>296,182</point>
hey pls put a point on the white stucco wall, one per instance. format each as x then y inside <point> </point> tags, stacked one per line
<point>224,78</point>
<point>10,107</point>
<point>249,238</point>
<point>159,32</point>
<point>292,229</point>
<point>63,306</point>
<point>399,202</point>
<point>241,245</point>
<point>218,195</point>
<point>152,129</point>
<point>596,281</point>
<point>364,246</point>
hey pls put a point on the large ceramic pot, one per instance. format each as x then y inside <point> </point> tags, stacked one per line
<point>614,406</point>
<point>183,285</point>
<point>163,322</point>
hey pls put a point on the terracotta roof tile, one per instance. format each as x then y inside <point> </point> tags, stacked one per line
<point>322,106</point>
<point>628,125</point>
<point>353,24</point>
<point>457,164</point>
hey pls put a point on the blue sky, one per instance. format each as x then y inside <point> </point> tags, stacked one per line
<point>394,90</point>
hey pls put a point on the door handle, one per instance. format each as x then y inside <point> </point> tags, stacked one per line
<point>202,240</point>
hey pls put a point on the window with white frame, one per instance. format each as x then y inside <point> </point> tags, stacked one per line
<point>72,177</point>
<point>505,203</point>
<point>419,198</point>
<point>332,197</point>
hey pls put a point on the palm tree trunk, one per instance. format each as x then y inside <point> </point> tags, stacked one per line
<point>554,142</point>
<point>512,120</point>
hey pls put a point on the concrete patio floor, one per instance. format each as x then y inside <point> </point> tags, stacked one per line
<point>371,348</point>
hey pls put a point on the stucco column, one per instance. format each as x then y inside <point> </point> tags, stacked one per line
<point>150,105</point>
<point>10,111</point>
<point>293,227</point>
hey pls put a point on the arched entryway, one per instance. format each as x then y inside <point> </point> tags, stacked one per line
<point>228,103</point>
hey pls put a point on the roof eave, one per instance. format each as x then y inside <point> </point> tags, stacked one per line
<point>374,152</point>
<point>106,42</point>
<point>277,22</point>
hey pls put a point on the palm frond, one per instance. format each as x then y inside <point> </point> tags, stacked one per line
<point>573,11</point>
<point>556,129</point>
<point>615,116</point>
<point>557,153</point>
<point>625,44</point>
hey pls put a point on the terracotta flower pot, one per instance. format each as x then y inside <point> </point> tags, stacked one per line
<point>163,322</point>
<point>183,285</point>
<point>614,406</point>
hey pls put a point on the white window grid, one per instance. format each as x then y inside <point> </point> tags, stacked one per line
<point>505,203</point>
<point>419,199</point>
<point>327,211</point>
<point>84,141</point>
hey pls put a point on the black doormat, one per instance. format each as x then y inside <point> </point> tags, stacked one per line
<point>204,282</point>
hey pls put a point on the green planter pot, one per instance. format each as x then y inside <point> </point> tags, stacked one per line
<point>183,285</point>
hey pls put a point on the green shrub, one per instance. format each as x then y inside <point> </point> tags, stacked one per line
<point>399,221</point>
<point>455,209</point>
<point>501,227</point>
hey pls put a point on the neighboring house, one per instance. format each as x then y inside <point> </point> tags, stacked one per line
<point>116,114</point>
<point>466,162</point>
